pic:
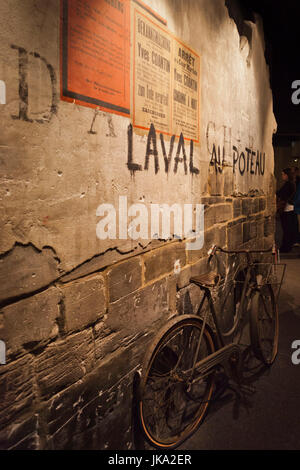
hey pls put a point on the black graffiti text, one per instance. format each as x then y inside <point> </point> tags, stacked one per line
<point>248,161</point>
<point>244,160</point>
<point>215,160</point>
<point>23,86</point>
<point>152,154</point>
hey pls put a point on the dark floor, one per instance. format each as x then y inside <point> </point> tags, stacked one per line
<point>268,416</point>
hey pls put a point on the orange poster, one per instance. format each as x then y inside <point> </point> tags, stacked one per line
<point>95,54</point>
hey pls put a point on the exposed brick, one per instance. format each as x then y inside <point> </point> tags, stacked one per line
<point>162,261</point>
<point>270,205</point>
<point>124,278</point>
<point>86,415</point>
<point>246,232</point>
<point>211,200</point>
<point>237,221</point>
<point>201,267</point>
<point>106,340</point>
<point>262,204</point>
<point>64,362</point>
<point>213,236</point>
<point>115,418</point>
<point>253,229</point>
<point>91,266</point>
<point>109,258</point>
<point>25,269</point>
<point>237,207</point>
<point>269,228</point>
<point>21,434</point>
<point>260,228</point>
<point>172,291</point>
<point>17,397</point>
<point>32,321</point>
<point>246,206</point>
<point>188,299</point>
<point>217,214</point>
<point>183,278</point>
<point>61,413</point>
<point>255,205</point>
<point>250,230</point>
<point>136,312</point>
<point>268,241</point>
<point>84,302</point>
<point>235,236</point>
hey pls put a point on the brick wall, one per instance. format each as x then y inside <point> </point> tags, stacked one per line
<point>76,344</point>
<point>77,313</point>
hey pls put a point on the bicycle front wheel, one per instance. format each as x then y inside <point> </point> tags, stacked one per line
<point>264,324</point>
<point>172,404</point>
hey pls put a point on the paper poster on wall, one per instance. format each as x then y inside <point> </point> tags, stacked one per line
<point>166,77</point>
<point>186,70</point>
<point>152,75</point>
<point>95,53</point>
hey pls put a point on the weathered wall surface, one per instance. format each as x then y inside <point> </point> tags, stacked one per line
<point>77,312</point>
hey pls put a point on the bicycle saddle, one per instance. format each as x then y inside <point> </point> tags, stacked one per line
<point>208,280</point>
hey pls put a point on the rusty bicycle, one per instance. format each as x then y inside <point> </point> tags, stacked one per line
<point>177,378</point>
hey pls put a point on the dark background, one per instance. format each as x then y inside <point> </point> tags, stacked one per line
<point>281,19</point>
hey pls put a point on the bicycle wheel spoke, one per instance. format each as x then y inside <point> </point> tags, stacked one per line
<point>266,309</point>
<point>264,324</point>
<point>171,407</point>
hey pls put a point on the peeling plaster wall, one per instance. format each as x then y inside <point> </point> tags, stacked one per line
<point>78,312</point>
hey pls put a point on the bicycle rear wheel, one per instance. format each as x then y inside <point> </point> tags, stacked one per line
<point>264,325</point>
<point>170,407</point>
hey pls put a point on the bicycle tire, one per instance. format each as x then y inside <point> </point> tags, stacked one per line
<point>169,411</point>
<point>264,321</point>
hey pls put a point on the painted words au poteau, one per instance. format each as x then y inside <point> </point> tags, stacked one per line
<point>243,161</point>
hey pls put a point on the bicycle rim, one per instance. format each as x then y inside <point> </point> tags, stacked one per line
<point>264,324</point>
<point>170,411</point>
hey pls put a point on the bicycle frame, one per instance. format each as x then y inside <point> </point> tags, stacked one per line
<point>224,352</point>
<point>190,349</point>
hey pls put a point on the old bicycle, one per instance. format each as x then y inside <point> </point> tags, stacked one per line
<point>177,377</point>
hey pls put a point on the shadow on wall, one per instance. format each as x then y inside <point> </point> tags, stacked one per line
<point>242,15</point>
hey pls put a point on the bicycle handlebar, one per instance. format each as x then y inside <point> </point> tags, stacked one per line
<point>215,248</point>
